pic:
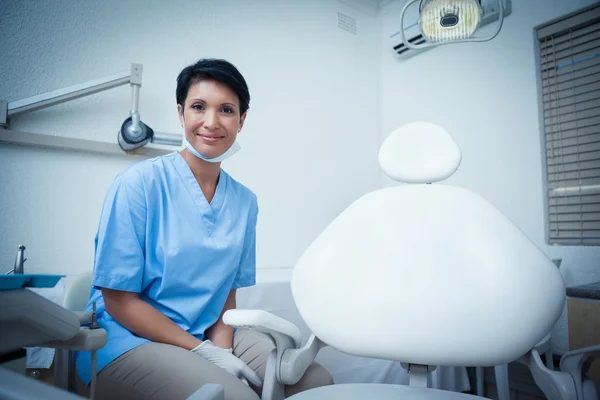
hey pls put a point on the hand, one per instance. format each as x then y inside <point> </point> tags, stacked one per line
<point>226,360</point>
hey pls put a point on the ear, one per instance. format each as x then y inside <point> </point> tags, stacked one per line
<point>242,119</point>
<point>180,112</point>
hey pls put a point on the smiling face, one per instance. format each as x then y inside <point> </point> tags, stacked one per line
<point>211,117</point>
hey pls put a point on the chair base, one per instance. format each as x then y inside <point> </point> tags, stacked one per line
<point>369,391</point>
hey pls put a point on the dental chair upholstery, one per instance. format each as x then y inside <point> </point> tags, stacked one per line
<point>481,293</point>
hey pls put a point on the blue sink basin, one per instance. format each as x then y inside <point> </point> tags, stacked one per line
<point>20,281</point>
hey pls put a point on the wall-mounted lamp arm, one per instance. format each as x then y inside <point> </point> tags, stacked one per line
<point>71,93</point>
<point>170,139</point>
<point>133,133</point>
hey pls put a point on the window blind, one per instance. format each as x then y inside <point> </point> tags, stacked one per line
<point>569,55</point>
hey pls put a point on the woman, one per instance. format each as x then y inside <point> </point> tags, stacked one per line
<point>176,238</point>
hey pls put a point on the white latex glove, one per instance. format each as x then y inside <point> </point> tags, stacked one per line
<point>226,360</point>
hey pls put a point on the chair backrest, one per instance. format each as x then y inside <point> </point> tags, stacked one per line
<point>77,291</point>
<point>427,273</point>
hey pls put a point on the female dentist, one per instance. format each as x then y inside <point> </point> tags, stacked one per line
<point>176,238</point>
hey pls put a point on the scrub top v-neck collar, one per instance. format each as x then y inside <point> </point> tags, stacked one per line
<point>209,212</point>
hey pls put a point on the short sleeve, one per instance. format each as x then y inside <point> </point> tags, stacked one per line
<point>246,274</point>
<point>119,244</point>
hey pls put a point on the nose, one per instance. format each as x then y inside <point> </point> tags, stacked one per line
<point>211,119</point>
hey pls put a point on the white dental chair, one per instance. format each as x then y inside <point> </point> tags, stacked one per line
<point>482,294</point>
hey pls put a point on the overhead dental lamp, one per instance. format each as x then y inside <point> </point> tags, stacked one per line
<point>450,21</point>
<point>132,134</point>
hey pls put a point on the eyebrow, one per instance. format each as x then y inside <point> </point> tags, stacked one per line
<point>222,104</point>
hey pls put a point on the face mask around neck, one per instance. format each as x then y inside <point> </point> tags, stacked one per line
<point>235,147</point>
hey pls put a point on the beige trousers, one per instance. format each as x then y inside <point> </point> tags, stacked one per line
<point>158,371</point>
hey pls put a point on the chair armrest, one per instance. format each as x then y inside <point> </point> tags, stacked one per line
<point>263,321</point>
<point>291,362</point>
<point>85,340</point>
<point>210,391</point>
<point>85,317</point>
<point>295,362</point>
<point>577,364</point>
<point>587,352</point>
<point>554,384</point>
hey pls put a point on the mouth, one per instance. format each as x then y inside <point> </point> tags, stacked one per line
<point>209,138</point>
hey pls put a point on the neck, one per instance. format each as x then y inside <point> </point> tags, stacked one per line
<point>206,173</point>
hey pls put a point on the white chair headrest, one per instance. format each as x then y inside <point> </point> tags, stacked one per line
<point>419,152</point>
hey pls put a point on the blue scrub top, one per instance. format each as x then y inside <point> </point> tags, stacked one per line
<point>158,236</point>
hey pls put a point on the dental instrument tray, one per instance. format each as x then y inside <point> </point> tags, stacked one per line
<point>21,281</point>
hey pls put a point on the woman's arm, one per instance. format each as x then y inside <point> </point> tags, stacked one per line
<point>221,334</point>
<point>144,320</point>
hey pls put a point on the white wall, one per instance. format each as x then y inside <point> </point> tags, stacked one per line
<point>309,143</point>
<point>485,94</point>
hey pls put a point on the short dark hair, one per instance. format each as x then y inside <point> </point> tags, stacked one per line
<point>218,70</point>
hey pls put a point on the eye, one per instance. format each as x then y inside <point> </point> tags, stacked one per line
<point>197,106</point>
<point>228,110</point>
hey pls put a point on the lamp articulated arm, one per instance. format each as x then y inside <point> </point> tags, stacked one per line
<point>133,132</point>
